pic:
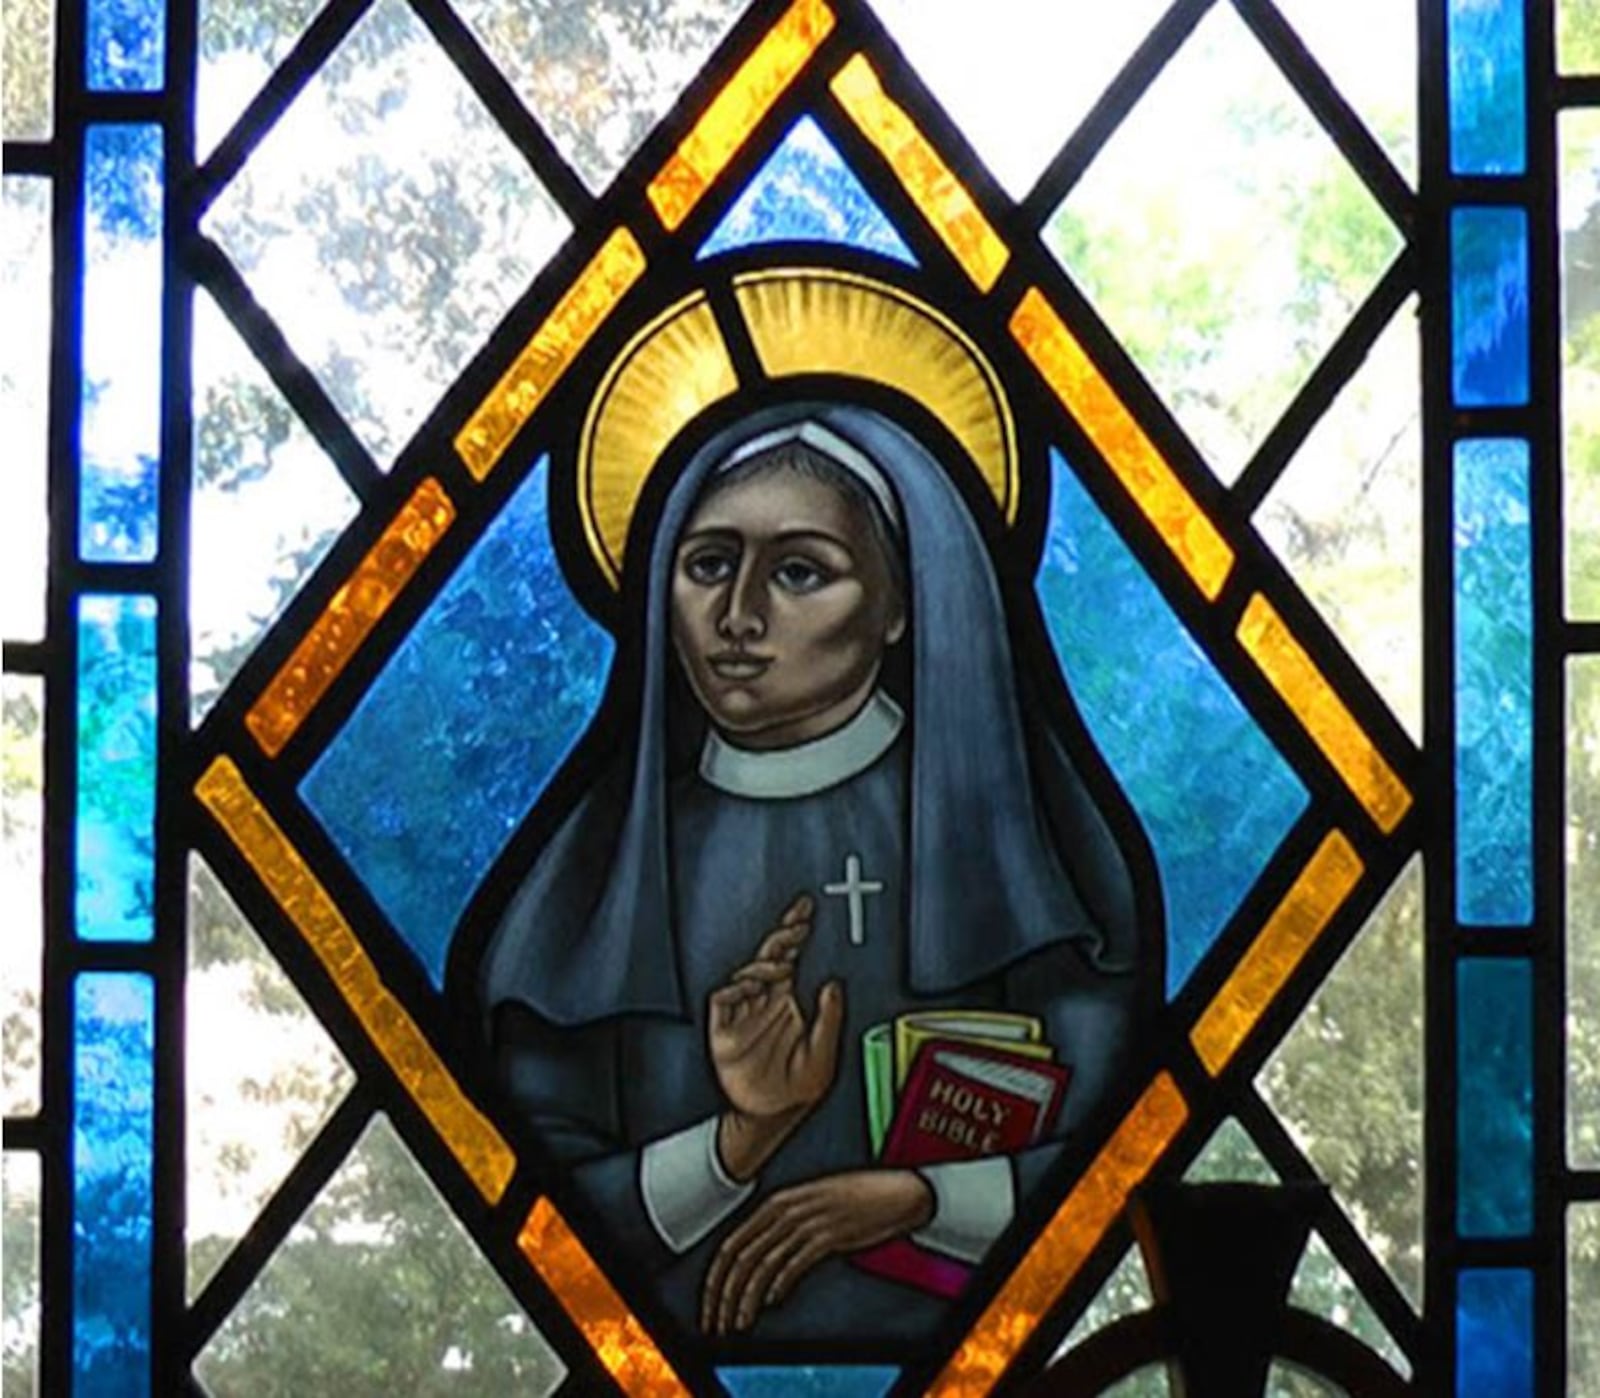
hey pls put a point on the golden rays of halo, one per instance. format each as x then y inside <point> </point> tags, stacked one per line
<point>806,320</point>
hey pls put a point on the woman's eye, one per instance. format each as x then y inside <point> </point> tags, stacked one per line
<point>797,575</point>
<point>709,568</point>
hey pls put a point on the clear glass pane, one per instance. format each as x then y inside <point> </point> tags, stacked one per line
<point>415,1306</point>
<point>25,399</point>
<point>1347,1081</point>
<point>1149,1382</point>
<point>267,506</point>
<point>1578,36</point>
<point>263,1075</point>
<point>1369,49</point>
<point>599,74</point>
<point>1583,912</point>
<point>19,1330</point>
<point>387,224</point>
<point>1322,1286</point>
<point>1580,353</point>
<point>1224,239</point>
<point>22,893</point>
<point>1345,518</point>
<point>1583,1298</point>
<point>240,45</point>
<point>1231,1156</point>
<point>1126,1291</point>
<point>1285,1381</point>
<point>29,84</point>
<point>1019,83</point>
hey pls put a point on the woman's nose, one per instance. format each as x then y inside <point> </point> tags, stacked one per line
<point>744,615</point>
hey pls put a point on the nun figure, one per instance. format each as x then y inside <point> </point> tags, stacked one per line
<point>845,802</point>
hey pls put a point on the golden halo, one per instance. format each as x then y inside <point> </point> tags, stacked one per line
<point>803,320</point>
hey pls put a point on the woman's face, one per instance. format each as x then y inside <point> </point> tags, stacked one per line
<point>782,604</point>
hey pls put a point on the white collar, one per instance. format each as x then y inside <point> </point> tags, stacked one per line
<point>807,768</point>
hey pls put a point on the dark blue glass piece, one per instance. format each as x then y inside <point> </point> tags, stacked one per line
<point>113,895</point>
<point>1494,1113</point>
<point>113,1121</point>
<point>806,193</point>
<point>1215,796</point>
<point>1494,1334</point>
<point>808,1381</point>
<point>120,398</point>
<point>1488,84</point>
<point>460,733</point>
<point>1489,307</point>
<point>1494,684</point>
<point>125,46</point>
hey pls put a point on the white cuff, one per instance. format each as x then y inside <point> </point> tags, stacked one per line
<point>686,1191</point>
<point>974,1203</point>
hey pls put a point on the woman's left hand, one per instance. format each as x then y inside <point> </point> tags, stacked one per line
<point>789,1233</point>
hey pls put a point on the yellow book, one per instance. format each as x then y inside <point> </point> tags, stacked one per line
<point>1016,1033</point>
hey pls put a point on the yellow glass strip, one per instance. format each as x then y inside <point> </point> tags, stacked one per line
<point>1267,638</point>
<point>355,609</point>
<point>468,1134</point>
<point>735,112</point>
<point>615,1334</point>
<point>555,344</point>
<point>1065,1242</point>
<point>1278,949</point>
<point>1205,555</point>
<point>945,202</point>
<point>814,320</point>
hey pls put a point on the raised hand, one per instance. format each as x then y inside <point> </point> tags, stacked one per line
<point>767,1255</point>
<point>770,1061</point>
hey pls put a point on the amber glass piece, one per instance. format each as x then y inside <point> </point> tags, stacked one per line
<point>555,344</point>
<point>1205,555</point>
<point>466,1132</point>
<point>821,321</point>
<point>615,1334</point>
<point>1269,642</point>
<point>735,112</point>
<point>1279,947</point>
<point>944,201</point>
<point>1065,1242</point>
<point>356,608</point>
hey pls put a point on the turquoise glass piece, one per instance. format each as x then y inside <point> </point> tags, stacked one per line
<point>114,892</point>
<point>1494,683</point>
<point>807,193</point>
<point>463,729</point>
<point>120,397</point>
<point>1216,798</point>
<point>1489,307</point>
<point>1494,1114</point>
<point>1494,1334</point>
<point>808,1381</point>
<point>1488,82</point>
<point>125,45</point>
<point>112,1134</point>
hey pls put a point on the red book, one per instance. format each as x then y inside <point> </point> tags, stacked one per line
<point>962,1101</point>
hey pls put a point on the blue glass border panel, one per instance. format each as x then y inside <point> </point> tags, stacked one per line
<point>482,703</point>
<point>125,46</point>
<point>119,411</point>
<point>1488,102</point>
<point>1494,1110</point>
<point>112,1170</point>
<point>1494,683</point>
<point>115,842</point>
<point>1494,1334</point>
<point>1489,307</point>
<point>808,1381</point>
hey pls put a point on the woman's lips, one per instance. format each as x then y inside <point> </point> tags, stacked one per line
<point>738,666</point>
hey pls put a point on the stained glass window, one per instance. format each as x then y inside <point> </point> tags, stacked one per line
<point>1215,388</point>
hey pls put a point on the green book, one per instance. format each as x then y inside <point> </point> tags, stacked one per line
<point>877,1065</point>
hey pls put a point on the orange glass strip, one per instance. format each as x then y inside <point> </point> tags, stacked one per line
<point>945,202</point>
<point>735,112</point>
<point>546,357</point>
<point>1278,949</point>
<point>613,1331</point>
<point>1205,555</point>
<point>1267,638</point>
<point>1065,1242</point>
<point>481,1150</point>
<point>356,608</point>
